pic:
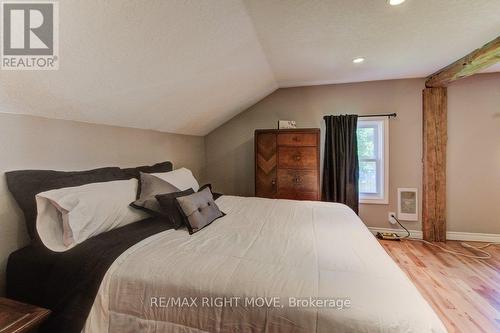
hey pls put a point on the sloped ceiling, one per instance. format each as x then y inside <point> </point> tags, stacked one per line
<point>171,65</point>
<point>188,66</point>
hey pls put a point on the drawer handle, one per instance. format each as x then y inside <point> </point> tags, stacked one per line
<point>273,182</point>
<point>297,180</point>
<point>296,138</point>
<point>297,157</point>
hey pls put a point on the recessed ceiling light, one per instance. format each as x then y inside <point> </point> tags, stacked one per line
<point>358,60</point>
<point>396,2</point>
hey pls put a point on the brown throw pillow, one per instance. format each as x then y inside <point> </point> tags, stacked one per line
<point>149,187</point>
<point>199,209</point>
<point>169,208</point>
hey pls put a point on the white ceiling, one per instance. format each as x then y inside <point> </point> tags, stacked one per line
<point>188,66</point>
<point>313,42</point>
<point>170,65</point>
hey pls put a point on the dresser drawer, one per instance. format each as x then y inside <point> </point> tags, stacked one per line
<point>292,195</point>
<point>297,181</point>
<point>298,157</point>
<point>297,139</point>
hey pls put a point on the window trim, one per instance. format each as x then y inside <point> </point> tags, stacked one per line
<point>384,199</point>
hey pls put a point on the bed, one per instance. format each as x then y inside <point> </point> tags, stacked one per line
<point>262,248</point>
<point>266,266</point>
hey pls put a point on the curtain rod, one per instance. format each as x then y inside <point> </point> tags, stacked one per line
<point>390,115</point>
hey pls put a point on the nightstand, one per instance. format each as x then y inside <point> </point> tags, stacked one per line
<point>17,317</point>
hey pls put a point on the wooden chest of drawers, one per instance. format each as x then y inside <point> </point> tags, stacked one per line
<point>287,164</point>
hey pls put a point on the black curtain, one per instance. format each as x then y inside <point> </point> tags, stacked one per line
<point>341,165</point>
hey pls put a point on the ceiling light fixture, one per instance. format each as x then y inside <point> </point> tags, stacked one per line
<point>358,60</point>
<point>396,2</point>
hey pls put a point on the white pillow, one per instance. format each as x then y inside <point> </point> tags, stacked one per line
<point>181,178</point>
<point>69,216</point>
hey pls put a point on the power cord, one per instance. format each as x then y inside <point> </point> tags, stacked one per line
<point>402,226</point>
<point>486,255</point>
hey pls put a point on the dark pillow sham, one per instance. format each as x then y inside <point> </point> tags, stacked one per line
<point>198,209</point>
<point>156,168</point>
<point>204,187</point>
<point>25,184</point>
<point>169,209</point>
<point>214,194</point>
<point>149,186</point>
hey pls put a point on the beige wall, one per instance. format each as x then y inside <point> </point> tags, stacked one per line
<point>473,171</point>
<point>28,142</point>
<point>474,154</point>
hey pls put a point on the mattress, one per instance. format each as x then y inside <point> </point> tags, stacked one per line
<point>267,266</point>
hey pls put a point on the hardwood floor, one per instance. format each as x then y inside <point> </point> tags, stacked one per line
<point>464,292</point>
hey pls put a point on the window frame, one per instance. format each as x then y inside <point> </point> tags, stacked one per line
<point>382,161</point>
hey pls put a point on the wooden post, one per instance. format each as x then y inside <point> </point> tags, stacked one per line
<point>434,164</point>
<point>435,135</point>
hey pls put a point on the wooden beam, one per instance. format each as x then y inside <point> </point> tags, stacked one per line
<point>434,164</point>
<point>471,64</point>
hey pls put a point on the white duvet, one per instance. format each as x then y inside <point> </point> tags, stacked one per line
<point>278,250</point>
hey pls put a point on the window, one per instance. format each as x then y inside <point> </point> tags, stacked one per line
<point>373,154</point>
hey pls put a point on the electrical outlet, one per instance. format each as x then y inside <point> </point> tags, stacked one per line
<point>390,218</point>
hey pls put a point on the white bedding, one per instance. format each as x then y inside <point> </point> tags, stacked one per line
<point>268,248</point>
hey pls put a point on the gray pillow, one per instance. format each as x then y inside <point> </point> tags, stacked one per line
<point>199,210</point>
<point>149,187</point>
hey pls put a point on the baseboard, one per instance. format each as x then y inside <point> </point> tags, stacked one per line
<point>473,237</point>
<point>450,235</point>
